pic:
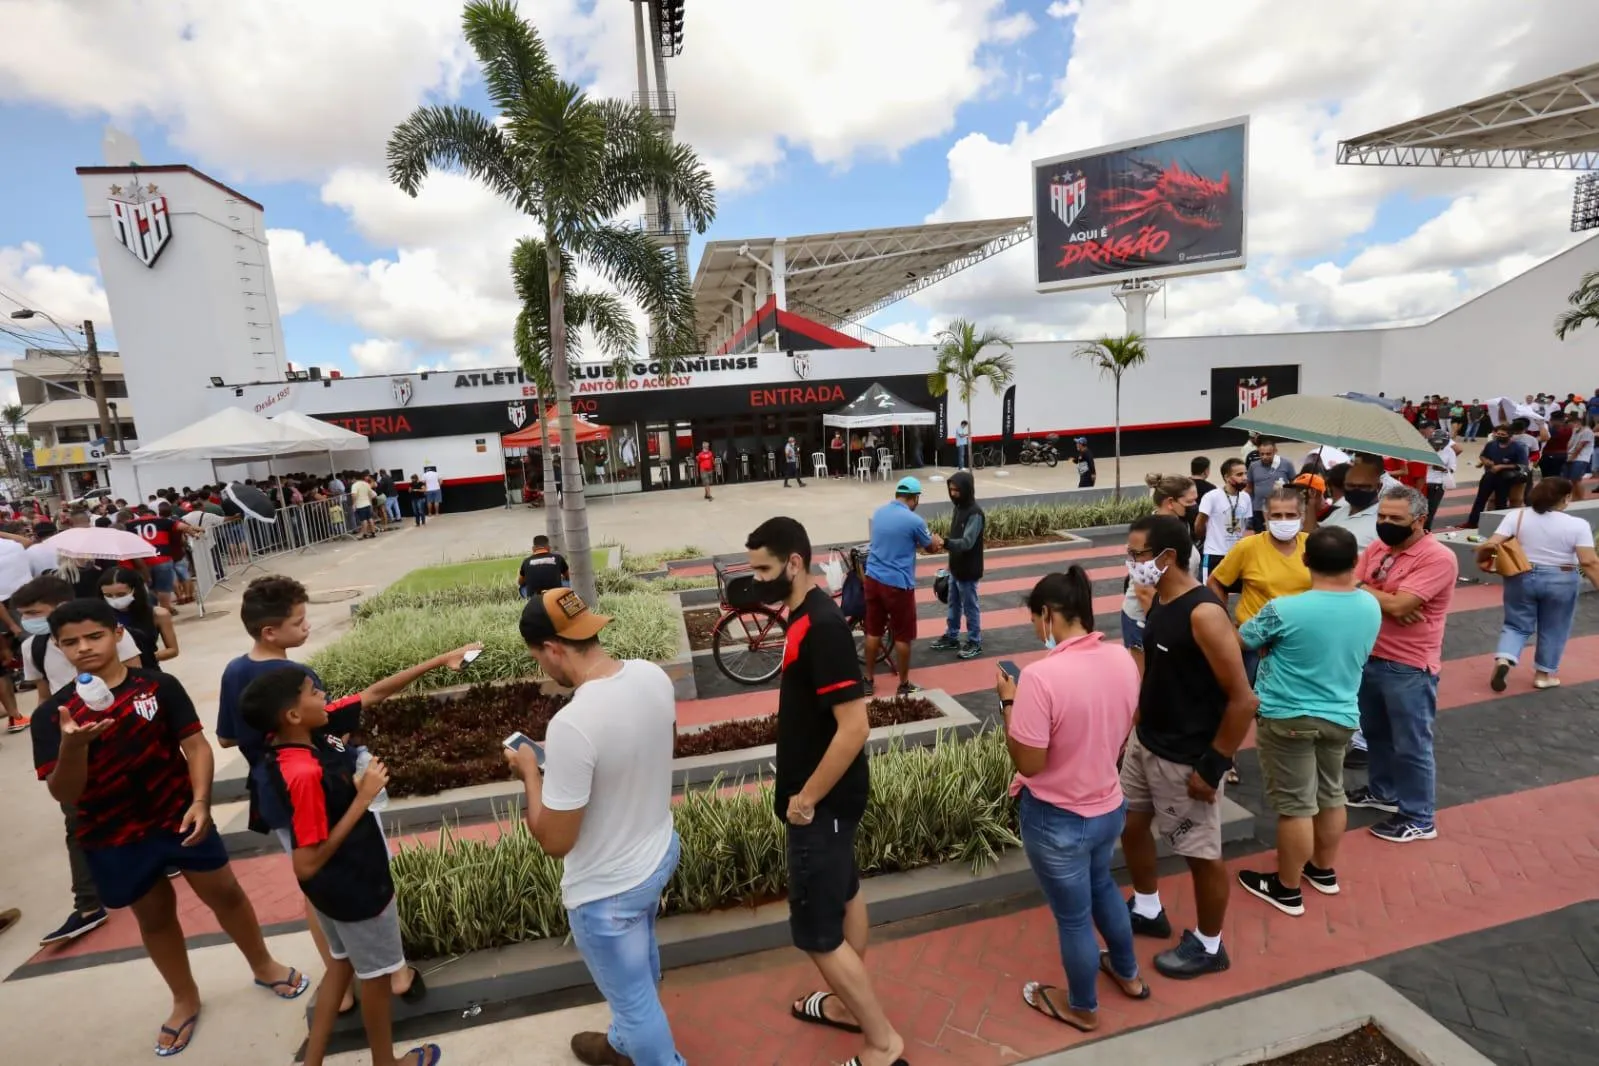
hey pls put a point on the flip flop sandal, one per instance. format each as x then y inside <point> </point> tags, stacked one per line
<point>9,917</point>
<point>296,980</point>
<point>811,1010</point>
<point>417,990</point>
<point>179,1043</point>
<point>1035,996</point>
<point>426,1055</point>
<point>1121,982</point>
<point>856,1061</point>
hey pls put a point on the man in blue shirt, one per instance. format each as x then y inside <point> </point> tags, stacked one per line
<point>1504,463</point>
<point>897,533</point>
<point>963,446</point>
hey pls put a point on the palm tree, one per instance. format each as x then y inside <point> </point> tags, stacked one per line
<point>961,360</point>
<point>14,415</point>
<point>1114,356</point>
<point>603,313</point>
<point>1584,306</point>
<point>571,164</point>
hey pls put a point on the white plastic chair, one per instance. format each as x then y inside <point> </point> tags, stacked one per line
<point>819,465</point>
<point>863,468</point>
<point>885,467</point>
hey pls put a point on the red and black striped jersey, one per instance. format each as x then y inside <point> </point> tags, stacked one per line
<point>138,781</point>
<point>162,534</point>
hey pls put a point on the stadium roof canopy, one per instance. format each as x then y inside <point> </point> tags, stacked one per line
<point>1551,124</point>
<point>838,278</point>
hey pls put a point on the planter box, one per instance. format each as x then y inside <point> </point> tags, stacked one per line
<point>544,966</point>
<point>483,803</point>
<point>1281,1023</point>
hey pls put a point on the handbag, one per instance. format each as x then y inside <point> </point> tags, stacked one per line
<point>1510,559</point>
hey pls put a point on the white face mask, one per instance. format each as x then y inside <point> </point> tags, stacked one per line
<point>1285,528</point>
<point>120,603</point>
<point>1146,574</point>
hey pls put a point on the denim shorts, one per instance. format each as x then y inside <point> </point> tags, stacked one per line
<point>163,577</point>
<point>1576,470</point>
<point>1132,632</point>
<point>437,495</point>
<point>822,879</point>
<point>363,514</point>
<point>124,874</point>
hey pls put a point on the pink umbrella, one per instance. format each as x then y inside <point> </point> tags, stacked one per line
<point>96,543</point>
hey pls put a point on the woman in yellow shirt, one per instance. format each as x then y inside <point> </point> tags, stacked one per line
<point>1268,564</point>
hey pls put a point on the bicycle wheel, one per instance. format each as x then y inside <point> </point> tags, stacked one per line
<point>979,458</point>
<point>885,651</point>
<point>748,645</point>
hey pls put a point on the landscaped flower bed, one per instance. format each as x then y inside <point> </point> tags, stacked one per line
<point>946,803</point>
<point>1033,522</point>
<point>430,746</point>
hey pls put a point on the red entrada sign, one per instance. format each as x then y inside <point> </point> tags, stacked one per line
<point>797,397</point>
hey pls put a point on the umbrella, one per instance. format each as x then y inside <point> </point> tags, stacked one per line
<point>239,498</point>
<point>1502,409</point>
<point>96,543</point>
<point>1366,397</point>
<point>533,436</point>
<point>1342,423</point>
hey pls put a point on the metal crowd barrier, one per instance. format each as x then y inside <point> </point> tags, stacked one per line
<point>225,552</point>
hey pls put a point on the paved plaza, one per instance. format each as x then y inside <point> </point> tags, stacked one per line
<point>1493,928</point>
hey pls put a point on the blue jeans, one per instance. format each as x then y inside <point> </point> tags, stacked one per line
<point>391,507</point>
<point>963,600</point>
<point>1397,706</point>
<point>1070,856</point>
<point>1542,603</point>
<point>963,456</point>
<point>616,937</point>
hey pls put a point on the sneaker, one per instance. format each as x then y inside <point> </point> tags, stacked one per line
<point>75,926</point>
<point>1190,959</point>
<point>946,643</point>
<point>1501,671</point>
<point>1269,888</point>
<point>1404,830</point>
<point>1323,881</point>
<point>1356,759</point>
<point>18,724</point>
<point>1538,683</point>
<point>907,688</point>
<point>594,1049</point>
<point>972,651</point>
<point>1362,797</point>
<point>1158,927</point>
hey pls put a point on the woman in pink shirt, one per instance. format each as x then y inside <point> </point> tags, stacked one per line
<point>1065,723</point>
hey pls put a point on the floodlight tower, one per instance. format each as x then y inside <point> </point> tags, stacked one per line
<point>657,37</point>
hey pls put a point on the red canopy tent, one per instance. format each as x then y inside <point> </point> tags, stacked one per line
<point>533,436</point>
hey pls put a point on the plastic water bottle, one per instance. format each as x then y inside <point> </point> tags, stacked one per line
<point>95,693</point>
<point>363,758</point>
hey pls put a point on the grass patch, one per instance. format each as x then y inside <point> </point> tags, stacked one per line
<point>1034,520</point>
<point>475,572</point>
<point>946,803</point>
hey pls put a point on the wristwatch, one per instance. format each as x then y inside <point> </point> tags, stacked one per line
<point>1006,705</point>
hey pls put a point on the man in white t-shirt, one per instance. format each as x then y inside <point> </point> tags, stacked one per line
<point>1224,514</point>
<point>1440,479</point>
<point>435,488</point>
<point>603,802</point>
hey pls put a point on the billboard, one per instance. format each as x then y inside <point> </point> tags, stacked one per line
<point>1151,208</point>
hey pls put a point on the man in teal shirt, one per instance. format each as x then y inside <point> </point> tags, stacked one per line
<point>898,533</point>
<point>1314,646</point>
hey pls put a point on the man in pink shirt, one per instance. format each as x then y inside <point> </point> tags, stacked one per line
<point>1413,578</point>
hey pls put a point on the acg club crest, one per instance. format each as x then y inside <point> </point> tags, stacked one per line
<point>1068,195</point>
<point>402,389</point>
<point>140,221</point>
<point>516,411</point>
<point>1252,392</point>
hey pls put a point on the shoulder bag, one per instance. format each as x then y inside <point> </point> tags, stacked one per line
<point>1510,559</point>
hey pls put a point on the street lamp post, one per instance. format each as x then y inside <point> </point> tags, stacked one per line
<point>92,361</point>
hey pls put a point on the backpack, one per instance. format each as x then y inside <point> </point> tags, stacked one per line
<point>852,597</point>
<point>37,650</point>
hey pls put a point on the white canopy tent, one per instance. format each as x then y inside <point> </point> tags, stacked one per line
<point>338,438</point>
<point>234,435</point>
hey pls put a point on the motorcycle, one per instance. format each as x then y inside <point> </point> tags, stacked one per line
<point>1035,451</point>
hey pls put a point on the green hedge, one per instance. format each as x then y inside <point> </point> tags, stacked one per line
<point>1025,521</point>
<point>946,803</point>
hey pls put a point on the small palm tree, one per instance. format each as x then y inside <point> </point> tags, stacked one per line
<point>1584,306</point>
<point>572,165</point>
<point>964,361</point>
<point>14,415</point>
<point>1114,356</point>
<point>602,313</point>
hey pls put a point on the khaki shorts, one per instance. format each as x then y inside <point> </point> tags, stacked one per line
<point>1190,827</point>
<point>1302,760</point>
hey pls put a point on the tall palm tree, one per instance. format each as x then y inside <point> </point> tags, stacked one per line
<point>1584,306</point>
<point>14,415</point>
<point>964,361</point>
<point>571,164</point>
<point>604,314</point>
<point>1114,356</point>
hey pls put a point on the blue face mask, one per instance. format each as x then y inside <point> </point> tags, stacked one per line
<point>1049,634</point>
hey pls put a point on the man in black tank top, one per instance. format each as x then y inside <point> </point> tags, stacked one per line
<point>1194,708</point>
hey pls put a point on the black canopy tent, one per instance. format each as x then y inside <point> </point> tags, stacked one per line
<point>876,408</point>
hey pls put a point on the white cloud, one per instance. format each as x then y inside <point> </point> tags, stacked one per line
<point>1012,28</point>
<point>1064,9</point>
<point>69,296</point>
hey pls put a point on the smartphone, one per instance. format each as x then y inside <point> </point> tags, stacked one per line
<point>1010,669</point>
<point>471,657</point>
<point>522,740</point>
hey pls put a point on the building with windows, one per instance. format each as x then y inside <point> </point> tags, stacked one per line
<point>61,418</point>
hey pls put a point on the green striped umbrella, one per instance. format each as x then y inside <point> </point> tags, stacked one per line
<point>1347,424</point>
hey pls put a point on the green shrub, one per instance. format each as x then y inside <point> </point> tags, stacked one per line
<point>1025,521</point>
<point>643,564</point>
<point>387,642</point>
<point>947,803</point>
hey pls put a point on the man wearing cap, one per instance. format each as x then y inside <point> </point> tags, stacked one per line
<point>897,533</point>
<point>1086,473</point>
<point>602,801</point>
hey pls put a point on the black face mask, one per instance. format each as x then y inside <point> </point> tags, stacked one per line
<point>1392,534</point>
<point>1190,513</point>
<point>1360,499</point>
<point>777,590</point>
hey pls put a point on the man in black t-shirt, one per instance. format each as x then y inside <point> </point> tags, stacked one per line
<point>543,570</point>
<point>1194,708</point>
<point>821,786</point>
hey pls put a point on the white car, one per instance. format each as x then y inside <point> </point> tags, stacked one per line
<point>90,497</point>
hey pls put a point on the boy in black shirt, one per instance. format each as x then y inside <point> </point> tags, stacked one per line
<point>138,774</point>
<point>339,855</point>
<point>822,785</point>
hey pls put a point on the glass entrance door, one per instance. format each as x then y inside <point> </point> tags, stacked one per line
<point>658,457</point>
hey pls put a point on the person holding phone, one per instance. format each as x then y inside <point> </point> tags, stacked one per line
<point>600,797</point>
<point>1066,719</point>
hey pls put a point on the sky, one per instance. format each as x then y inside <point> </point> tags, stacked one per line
<point>814,117</point>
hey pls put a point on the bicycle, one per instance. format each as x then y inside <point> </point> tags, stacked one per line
<point>748,639</point>
<point>987,455</point>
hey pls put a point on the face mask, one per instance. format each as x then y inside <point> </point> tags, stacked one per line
<point>777,590</point>
<point>36,627</point>
<point>120,603</point>
<point>1049,634</point>
<point>1190,513</point>
<point>1285,528</point>
<point>1146,574</point>
<point>1360,499</point>
<point>1392,534</point>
